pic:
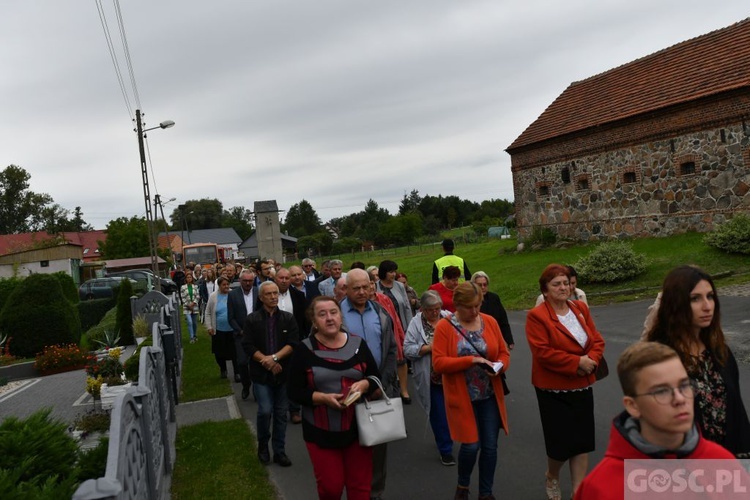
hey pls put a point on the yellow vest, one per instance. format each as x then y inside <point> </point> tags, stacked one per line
<point>447,261</point>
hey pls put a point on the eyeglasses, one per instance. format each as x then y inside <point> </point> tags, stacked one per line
<point>665,395</point>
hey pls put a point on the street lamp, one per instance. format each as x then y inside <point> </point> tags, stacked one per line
<point>146,190</point>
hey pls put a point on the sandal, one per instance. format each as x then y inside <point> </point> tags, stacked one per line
<point>553,488</point>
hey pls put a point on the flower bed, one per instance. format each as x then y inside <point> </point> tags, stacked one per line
<point>61,358</point>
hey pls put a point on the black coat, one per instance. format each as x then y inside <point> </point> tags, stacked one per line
<point>254,339</point>
<point>492,306</point>
<point>236,310</point>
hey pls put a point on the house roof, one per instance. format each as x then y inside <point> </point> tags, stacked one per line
<point>88,240</point>
<point>220,236</point>
<point>144,262</point>
<point>260,207</point>
<point>700,67</point>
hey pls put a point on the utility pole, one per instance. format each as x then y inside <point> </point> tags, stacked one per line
<point>147,197</point>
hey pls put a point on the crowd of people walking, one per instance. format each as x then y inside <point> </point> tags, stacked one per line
<point>305,341</point>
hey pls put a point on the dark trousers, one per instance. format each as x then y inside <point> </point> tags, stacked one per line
<point>242,365</point>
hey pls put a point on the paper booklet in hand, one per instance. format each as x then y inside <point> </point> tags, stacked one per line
<point>352,397</point>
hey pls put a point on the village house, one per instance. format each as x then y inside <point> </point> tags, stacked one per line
<point>655,147</point>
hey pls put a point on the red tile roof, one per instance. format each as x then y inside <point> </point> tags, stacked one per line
<point>10,243</point>
<point>709,64</point>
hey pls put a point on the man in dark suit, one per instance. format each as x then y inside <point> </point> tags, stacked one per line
<point>269,337</point>
<point>311,274</point>
<point>240,303</point>
<point>309,288</point>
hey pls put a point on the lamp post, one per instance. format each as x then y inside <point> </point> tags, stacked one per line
<point>159,203</point>
<point>146,190</point>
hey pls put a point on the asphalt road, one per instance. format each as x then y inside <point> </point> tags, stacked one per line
<point>414,469</point>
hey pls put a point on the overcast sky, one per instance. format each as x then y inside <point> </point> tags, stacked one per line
<point>332,101</point>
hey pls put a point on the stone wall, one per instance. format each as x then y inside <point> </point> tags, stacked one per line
<point>688,182</point>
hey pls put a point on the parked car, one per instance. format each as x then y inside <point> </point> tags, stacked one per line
<point>147,281</point>
<point>101,288</point>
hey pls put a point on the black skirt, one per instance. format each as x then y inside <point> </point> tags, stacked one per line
<point>222,345</point>
<point>567,422</point>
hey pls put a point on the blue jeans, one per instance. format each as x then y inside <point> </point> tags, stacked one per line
<point>439,421</point>
<point>272,405</point>
<point>192,324</point>
<point>487,418</point>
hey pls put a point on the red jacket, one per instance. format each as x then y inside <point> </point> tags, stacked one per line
<point>607,480</point>
<point>555,353</point>
<point>446,361</point>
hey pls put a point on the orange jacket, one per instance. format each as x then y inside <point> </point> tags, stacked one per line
<point>445,360</point>
<point>555,353</point>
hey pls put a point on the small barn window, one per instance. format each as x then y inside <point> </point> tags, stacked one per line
<point>628,177</point>
<point>565,174</point>
<point>44,263</point>
<point>583,184</point>
<point>687,168</point>
<point>543,190</point>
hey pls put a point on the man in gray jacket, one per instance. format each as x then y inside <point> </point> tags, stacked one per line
<point>367,319</point>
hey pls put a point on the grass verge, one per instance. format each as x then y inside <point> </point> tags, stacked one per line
<point>200,373</point>
<point>218,460</point>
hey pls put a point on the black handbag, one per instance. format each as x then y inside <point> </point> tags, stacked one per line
<point>602,369</point>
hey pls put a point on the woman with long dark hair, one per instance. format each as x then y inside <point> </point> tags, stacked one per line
<point>689,321</point>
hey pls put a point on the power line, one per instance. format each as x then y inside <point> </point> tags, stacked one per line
<point>126,49</point>
<point>113,56</point>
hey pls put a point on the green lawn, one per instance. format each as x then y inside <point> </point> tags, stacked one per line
<point>200,373</point>
<point>514,276</point>
<point>218,460</point>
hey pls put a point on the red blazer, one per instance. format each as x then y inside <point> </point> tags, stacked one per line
<point>445,360</point>
<point>555,353</point>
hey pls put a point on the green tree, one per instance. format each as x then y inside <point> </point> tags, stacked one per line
<point>302,220</point>
<point>400,230</point>
<point>126,238</point>
<point>240,219</point>
<point>198,214</point>
<point>20,208</point>
<point>410,202</point>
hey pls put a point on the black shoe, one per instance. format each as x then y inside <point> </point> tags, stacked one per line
<point>237,377</point>
<point>282,459</point>
<point>447,459</point>
<point>245,392</point>
<point>223,374</point>
<point>264,456</point>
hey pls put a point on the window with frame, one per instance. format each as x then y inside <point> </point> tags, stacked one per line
<point>543,190</point>
<point>687,168</point>
<point>628,177</point>
<point>565,175</point>
<point>582,184</point>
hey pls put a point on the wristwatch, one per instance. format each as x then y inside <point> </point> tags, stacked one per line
<point>275,358</point>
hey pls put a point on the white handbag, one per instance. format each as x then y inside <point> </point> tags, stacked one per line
<point>380,421</point>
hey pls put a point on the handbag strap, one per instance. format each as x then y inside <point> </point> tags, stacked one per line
<point>377,381</point>
<point>467,338</point>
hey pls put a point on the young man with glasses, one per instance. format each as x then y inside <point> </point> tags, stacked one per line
<point>657,422</point>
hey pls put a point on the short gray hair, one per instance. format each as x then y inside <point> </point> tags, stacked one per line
<point>431,299</point>
<point>335,262</point>
<point>265,284</point>
<point>307,261</point>
<point>480,274</point>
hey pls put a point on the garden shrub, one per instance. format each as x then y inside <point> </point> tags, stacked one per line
<point>7,285</point>
<point>69,288</point>
<point>542,236</point>
<point>91,312</point>
<point>124,321</point>
<point>132,364</point>
<point>37,315</point>
<point>610,262</point>
<point>733,236</point>
<point>97,332</point>
<point>92,464</point>
<point>38,457</point>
